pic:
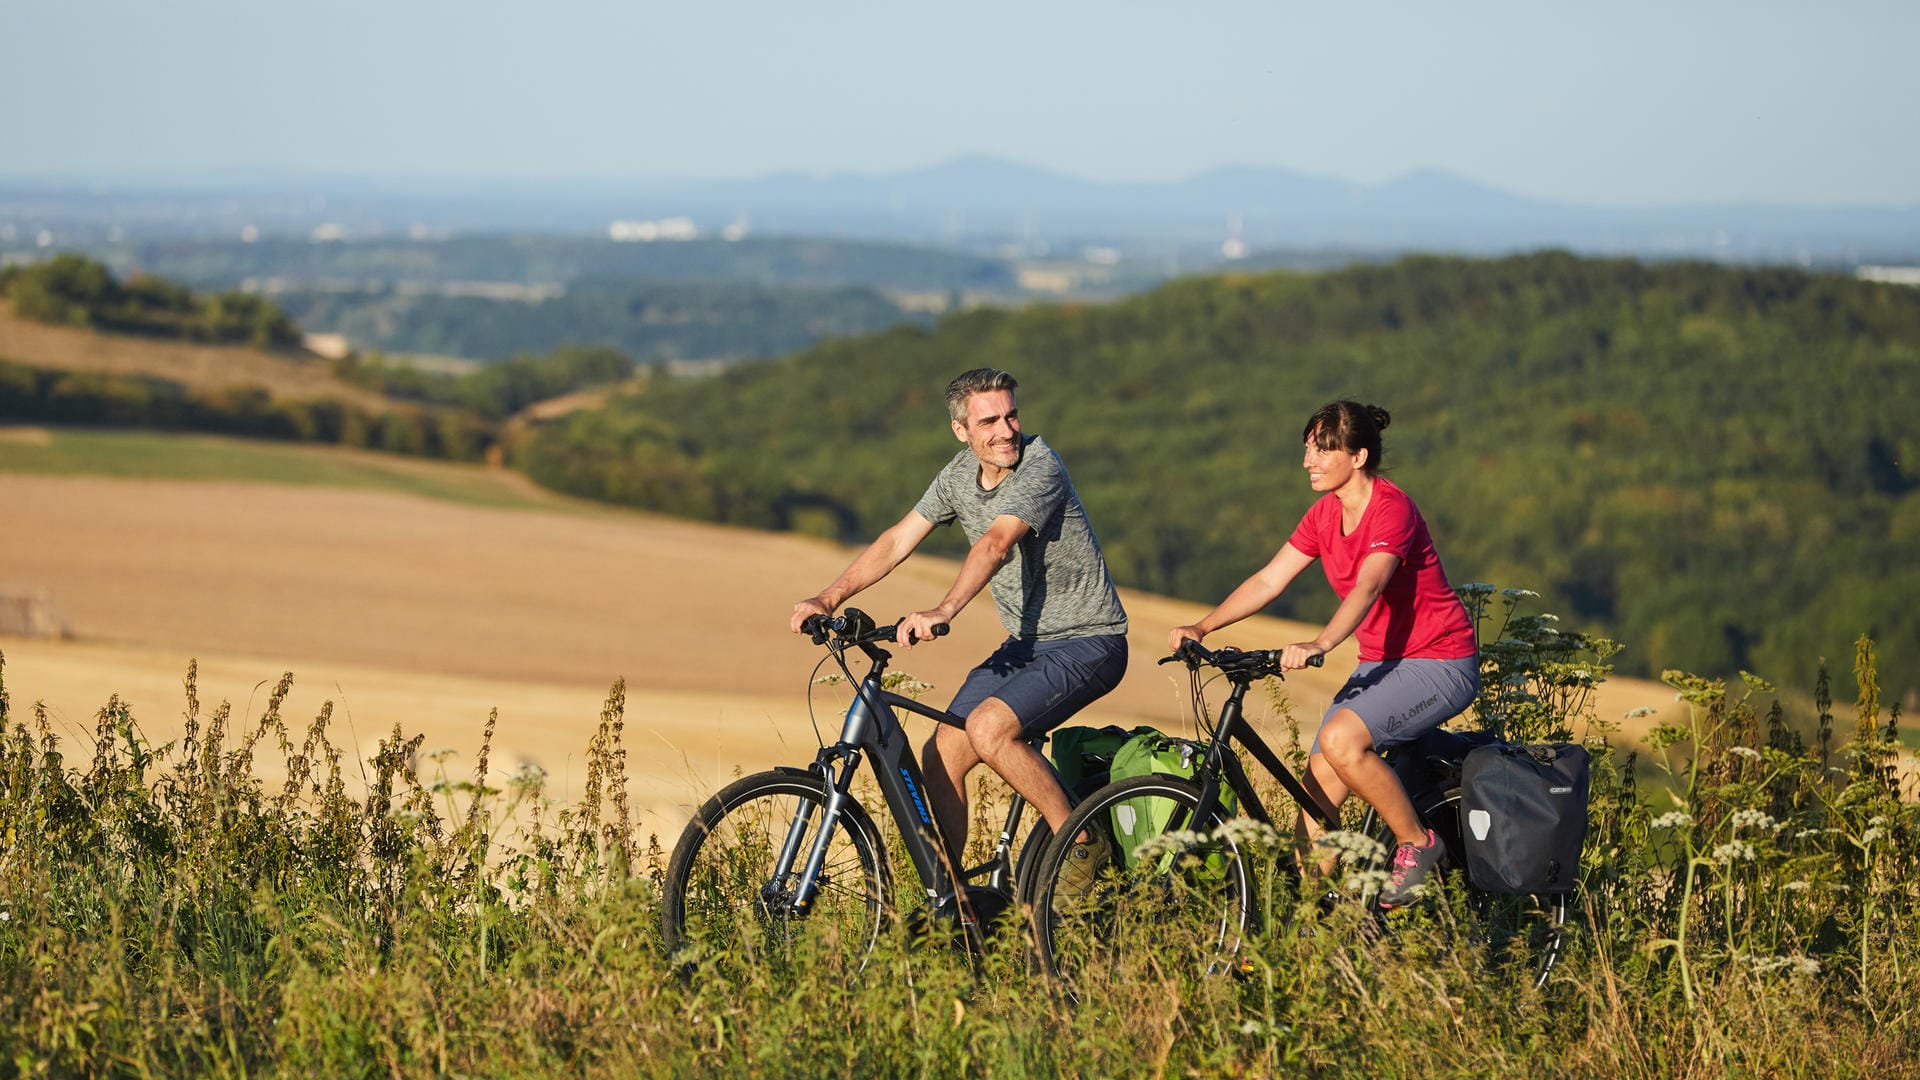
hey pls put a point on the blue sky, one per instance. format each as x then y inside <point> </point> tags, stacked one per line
<point>1624,103</point>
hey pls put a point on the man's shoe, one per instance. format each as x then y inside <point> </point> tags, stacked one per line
<point>1086,860</point>
<point>1411,865</point>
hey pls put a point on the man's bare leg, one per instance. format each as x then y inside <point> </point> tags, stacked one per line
<point>947,759</point>
<point>994,732</point>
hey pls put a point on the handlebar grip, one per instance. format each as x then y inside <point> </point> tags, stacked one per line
<point>1316,661</point>
<point>939,630</point>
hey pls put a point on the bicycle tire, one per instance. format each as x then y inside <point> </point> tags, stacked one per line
<point>1189,909</point>
<point>1026,864</point>
<point>720,897</point>
<point>1526,932</point>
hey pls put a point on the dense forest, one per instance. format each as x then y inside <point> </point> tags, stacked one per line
<point>1716,465</point>
<point>652,321</point>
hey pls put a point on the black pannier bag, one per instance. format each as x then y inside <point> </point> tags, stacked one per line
<point>1523,816</point>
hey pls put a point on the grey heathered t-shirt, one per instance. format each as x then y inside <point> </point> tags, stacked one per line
<point>1056,584</point>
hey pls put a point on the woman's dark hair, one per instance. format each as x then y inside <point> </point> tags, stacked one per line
<point>1349,426</point>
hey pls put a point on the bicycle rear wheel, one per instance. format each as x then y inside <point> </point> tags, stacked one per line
<point>1522,934</point>
<point>1181,904</point>
<point>725,895</point>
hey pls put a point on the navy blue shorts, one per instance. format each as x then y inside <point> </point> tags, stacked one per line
<point>1401,700</point>
<point>1044,682</point>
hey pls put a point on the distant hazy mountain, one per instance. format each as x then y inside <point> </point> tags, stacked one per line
<point>982,196</point>
<point>975,201</point>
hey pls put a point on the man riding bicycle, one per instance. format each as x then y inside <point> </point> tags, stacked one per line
<point>1066,643</point>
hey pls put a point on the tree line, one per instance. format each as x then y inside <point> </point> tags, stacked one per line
<point>73,290</point>
<point>96,399</point>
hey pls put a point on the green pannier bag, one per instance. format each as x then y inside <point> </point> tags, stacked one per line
<point>1083,755</point>
<point>1136,821</point>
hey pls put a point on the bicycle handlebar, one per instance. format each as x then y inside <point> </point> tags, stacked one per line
<point>855,627</point>
<point>1232,661</point>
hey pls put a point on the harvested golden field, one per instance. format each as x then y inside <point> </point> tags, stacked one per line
<point>197,366</point>
<point>428,613</point>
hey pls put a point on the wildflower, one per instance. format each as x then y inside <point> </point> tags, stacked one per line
<point>1673,819</point>
<point>1635,714</point>
<point>1251,1027</point>
<point>1358,847</point>
<point>1366,881</point>
<point>1798,965</point>
<point>1745,752</point>
<point>6,916</point>
<point>1756,819</point>
<point>1246,831</point>
<point>1797,886</point>
<point>1873,835</point>
<point>1734,851</point>
<point>1171,842</point>
<point>1519,593</point>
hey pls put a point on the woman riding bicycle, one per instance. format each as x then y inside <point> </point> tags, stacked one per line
<point>1419,661</point>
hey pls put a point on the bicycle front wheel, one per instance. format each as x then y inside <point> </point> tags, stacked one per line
<point>733,876</point>
<point>1524,935</point>
<point>1108,909</point>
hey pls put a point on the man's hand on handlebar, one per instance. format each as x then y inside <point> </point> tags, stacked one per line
<point>1180,634</point>
<point>805,610</point>
<point>1301,654</point>
<point>918,628</point>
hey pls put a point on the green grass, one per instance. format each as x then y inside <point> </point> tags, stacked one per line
<point>147,455</point>
<point>165,911</point>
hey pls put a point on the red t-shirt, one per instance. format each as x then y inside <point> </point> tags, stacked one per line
<point>1418,615</point>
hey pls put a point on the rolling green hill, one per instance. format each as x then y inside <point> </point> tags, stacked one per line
<point>1716,465</point>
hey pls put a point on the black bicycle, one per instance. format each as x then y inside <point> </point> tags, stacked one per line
<point>792,852</point>
<point>1108,907</point>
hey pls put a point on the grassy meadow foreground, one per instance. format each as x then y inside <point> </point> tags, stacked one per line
<point>366,871</point>
<point>166,911</point>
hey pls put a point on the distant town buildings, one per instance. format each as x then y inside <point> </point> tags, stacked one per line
<point>1233,248</point>
<point>1890,275</point>
<point>647,232</point>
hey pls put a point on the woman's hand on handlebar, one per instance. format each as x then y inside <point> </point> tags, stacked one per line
<point>1301,654</point>
<point>1181,634</point>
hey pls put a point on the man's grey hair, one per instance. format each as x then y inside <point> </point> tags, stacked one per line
<point>978,381</point>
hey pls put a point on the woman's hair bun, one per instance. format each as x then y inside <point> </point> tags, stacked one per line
<point>1379,416</point>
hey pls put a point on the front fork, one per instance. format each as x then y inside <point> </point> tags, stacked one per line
<point>808,886</point>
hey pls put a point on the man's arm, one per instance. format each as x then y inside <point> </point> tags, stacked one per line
<point>987,556</point>
<point>887,551</point>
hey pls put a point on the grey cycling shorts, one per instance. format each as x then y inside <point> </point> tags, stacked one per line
<point>1401,700</point>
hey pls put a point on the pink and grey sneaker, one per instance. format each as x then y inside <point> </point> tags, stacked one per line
<point>1411,865</point>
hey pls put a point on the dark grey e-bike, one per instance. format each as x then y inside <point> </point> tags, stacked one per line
<point>791,852</point>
